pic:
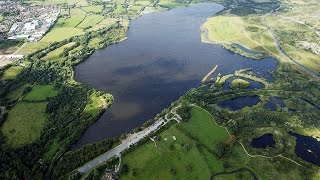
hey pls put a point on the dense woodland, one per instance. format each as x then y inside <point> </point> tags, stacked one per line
<point>66,122</point>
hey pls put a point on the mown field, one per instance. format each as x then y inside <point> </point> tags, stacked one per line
<point>55,55</point>
<point>198,149</point>
<point>24,123</point>
<point>247,31</point>
<point>41,93</point>
<point>176,155</point>
<point>27,118</point>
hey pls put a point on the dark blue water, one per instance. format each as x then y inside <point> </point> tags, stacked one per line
<point>274,102</point>
<point>263,141</point>
<point>253,84</point>
<point>240,102</point>
<point>162,58</point>
<point>307,148</point>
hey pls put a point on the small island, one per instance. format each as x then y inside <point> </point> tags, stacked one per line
<point>239,84</point>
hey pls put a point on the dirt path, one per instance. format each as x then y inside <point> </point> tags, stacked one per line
<point>269,157</point>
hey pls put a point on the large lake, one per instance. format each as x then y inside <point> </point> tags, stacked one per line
<point>162,58</point>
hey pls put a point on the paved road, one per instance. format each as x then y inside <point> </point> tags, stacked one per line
<point>133,139</point>
<point>117,150</point>
<point>313,73</point>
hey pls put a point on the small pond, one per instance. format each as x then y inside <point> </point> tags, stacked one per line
<point>273,102</point>
<point>263,141</point>
<point>240,102</point>
<point>307,148</point>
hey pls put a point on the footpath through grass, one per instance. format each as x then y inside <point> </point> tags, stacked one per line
<point>198,149</point>
<point>177,155</point>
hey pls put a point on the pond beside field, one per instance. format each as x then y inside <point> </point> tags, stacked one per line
<point>307,148</point>
<point>240,102</point>
<point>162,58</point>
<point>263,141</point>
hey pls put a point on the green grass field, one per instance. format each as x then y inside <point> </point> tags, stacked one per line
<point>30,47</point>
<point>247,31</point>
<point>41,93</point>
<point>210,133</point>
<point>1,18</point>
<point>170,4</point>
<point>144,3</point>
<point>239,84</point>
<point>66,28</point>
<point>62,33</point>
<point>56,54</point>
<point>168,160</point>
<point>97,8</point>
<point>76,17</point>
<point>24,123</point>
<point>11,73</point>
<point>96,102</point>
<point>16,94</point>
<point>106,22</point>
<point>180,158</point>
<point>90,20</point>
<point>188,151</point>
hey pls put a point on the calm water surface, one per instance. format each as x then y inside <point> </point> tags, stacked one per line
<point>240,102</point>
<point>263,141</point>
<point>307,148</point>
<point>162,58</point>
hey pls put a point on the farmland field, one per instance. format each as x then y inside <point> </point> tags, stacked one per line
<point>90,21</point>
<point>12,72</point>
<point>24,123</point>
<point>97,8</point>
<point>59,34</point>
<point>56,54</point>
<point>41,93</point>
<point>177,155</point>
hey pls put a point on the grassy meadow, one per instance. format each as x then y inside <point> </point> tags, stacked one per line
<point>11,73</point>
<point>90,21</point>
<point>24,123</point>
<point>177,155</point>
<point>239,84</point>
<point>55,55</point>
<point>192,150</point>
<point>41,93</point>
<point>247,31</point>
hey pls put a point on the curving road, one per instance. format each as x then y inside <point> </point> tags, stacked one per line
<point>133,139</point>
<point>117,150</point>
<point>263,22</point>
